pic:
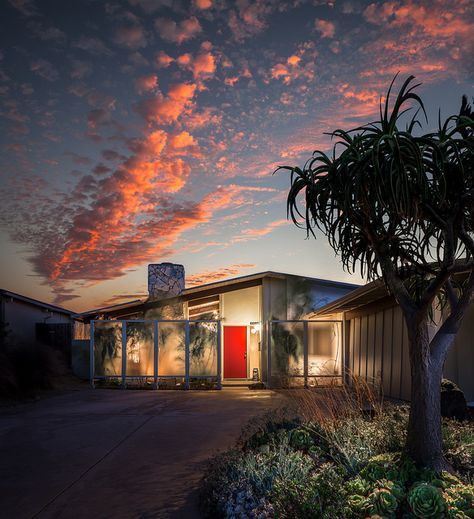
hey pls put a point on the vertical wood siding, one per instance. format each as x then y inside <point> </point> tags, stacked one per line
<point>378,351</point>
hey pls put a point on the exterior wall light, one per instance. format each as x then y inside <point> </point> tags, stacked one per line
<point>255,328</point>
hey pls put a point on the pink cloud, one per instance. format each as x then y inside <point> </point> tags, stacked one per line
<point>44,69</point>
<point>180,32</point>
<point>250,17</point>
<point>163,60</point>
<point>248,234</point>
<point>132,37</point>
<point>326,28</point>
<point>146,83</point>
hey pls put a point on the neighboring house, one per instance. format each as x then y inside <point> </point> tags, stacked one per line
<point>376,341</point>
<point>27,321</point>
<point>250,320</point>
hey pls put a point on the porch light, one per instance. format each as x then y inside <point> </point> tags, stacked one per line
<point>255,328</point>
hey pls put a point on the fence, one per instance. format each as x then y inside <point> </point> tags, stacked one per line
<point>166,353</point>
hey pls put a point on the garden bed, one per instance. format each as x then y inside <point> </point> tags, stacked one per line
<point>333,461</point>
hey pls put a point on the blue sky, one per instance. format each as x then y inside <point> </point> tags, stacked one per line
<point>141,131</point>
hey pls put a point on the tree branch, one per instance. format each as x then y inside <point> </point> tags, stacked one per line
<point>451,325</point>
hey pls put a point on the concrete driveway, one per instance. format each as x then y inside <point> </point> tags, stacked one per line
<point>113,453</point>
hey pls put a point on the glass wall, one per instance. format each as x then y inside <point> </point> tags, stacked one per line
<point>324,348</point>
<point>203,349</point>
<point>287,348</point>
<point>140,349</point>
<point>171,349</point>
<point>108,349</point>
<point>165,353</point>
<point>305,352</point>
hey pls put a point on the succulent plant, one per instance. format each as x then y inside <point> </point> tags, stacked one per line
<point>380,467</point>
<point>460,498</point>
<point>382,502</point>
<point>300,439</point>
<point>358,486</point>
<point>384,499</point>
<point>426,501</point>
<point>357,503</point>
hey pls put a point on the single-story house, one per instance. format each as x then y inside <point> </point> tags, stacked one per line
<point>26,320</point>
<point>376,341</point>
<point>250,328</point>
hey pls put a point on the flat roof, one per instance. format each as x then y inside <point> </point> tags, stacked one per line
<point>259,275</point>
<point>35,302</point>
<point>362,296</point>
<point>246,280</point>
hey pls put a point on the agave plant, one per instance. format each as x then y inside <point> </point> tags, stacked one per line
<point>426,501</point>
<point>399,204</point>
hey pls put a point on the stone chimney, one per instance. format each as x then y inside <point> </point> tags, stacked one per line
<point>165,280</point>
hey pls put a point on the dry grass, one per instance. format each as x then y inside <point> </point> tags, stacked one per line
<point>334,402</point>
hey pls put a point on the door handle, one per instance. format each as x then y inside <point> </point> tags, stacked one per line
<point>245,355</point>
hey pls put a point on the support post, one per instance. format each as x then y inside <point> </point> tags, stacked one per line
<point>305,353</point>
<point>91,355</point>
<point>269,353</point>
<point>219,356</point>
<point>124,354</point>
<point>186,354</point>
<point>155,354</point>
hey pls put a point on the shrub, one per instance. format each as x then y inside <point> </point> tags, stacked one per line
<point>254,472</point>
<point>35,366</point>
<point>458,439</point>
<point>321,495</point>
<point>453,401</point>
<point>354,440</point>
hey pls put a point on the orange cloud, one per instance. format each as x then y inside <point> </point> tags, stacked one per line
<point>292,70</point>
<point>293,60</point>
<point>130,221</point>
<point>231,81</point>
<point>182,140</point>
<point>167,109</point>
<point>203,4</point>
<point>211,276</point>
<point>202,66</point>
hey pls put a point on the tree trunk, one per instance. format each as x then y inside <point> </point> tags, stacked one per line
<point>424,438</point>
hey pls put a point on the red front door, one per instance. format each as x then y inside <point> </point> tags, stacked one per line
<point>235,352</point>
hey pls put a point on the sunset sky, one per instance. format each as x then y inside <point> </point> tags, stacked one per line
<point>141,131</point>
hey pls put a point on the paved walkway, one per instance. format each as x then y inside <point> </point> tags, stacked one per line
<point>112,453</point>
